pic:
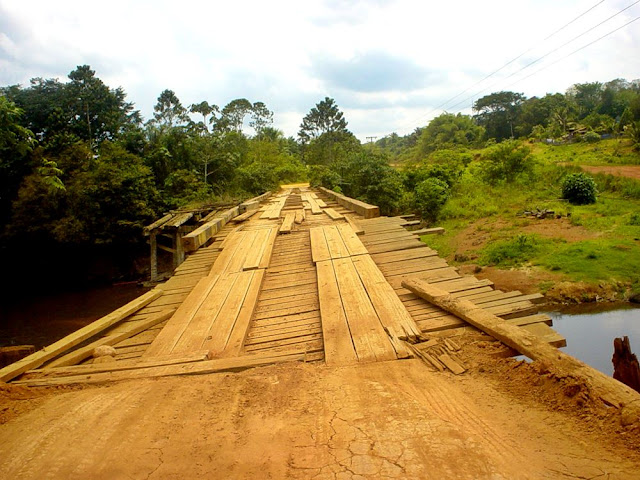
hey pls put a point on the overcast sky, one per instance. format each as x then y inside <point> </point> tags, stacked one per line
<point>389,64</point>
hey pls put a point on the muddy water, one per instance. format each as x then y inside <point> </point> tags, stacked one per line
<point>590,330</point>
<point>43,319</point>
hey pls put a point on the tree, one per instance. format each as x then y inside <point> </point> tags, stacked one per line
<point>449,130</point>
<point>325,117</point>
<point>233,114</point>
<point>498,112</point>
<point>505,162</point>
<point>16,143</point>
<point>204,109</point>
<point>261,118</point>
<point>587,96</point>
<point>168,111</point>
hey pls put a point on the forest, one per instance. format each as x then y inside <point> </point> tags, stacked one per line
<point>82,172</point>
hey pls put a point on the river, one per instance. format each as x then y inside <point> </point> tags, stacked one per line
<point>43,319</point>
<point>591,328</point>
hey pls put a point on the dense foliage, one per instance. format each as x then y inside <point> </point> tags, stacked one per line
<point>79,166</point>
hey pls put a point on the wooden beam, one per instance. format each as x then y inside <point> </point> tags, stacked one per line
<point>75,357</point>
<point>236,364</point>
<point>47,353</point>
<point>428,231</point>
<point>562,365</point>
<point>361,208</point>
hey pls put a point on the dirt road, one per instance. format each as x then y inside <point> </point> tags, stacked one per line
<point>385,420</point>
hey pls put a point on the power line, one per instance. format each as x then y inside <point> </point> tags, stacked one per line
<point>508,63</point>
<point>575,51</point>
<point>555,50</point>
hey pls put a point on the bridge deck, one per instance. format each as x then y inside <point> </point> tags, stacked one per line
<point>312,291</point>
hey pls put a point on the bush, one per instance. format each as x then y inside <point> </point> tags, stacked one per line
<point>505,161</point>
<point>591,137</point>
<point>579,189</point>
<point>430,196</point>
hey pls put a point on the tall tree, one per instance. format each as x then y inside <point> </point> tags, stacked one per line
<point>206,110</point>
<point>325,117</point>
<point>233,114</point>
<point>498,112</point>
<point>261,118</point>
<point>169,112</point>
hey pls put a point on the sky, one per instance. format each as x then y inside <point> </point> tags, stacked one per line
<point>390,65</point>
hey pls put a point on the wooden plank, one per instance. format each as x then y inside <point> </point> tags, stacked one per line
<point>356,228</point>
<point>179,322</point>
<point>337,248</point>
<point>222,327</point>
<point>300,216</point>
<point>257,250</point>
<point>369,338</point>
<point>319,247</point>
<point>268,249</point>
<point>47,353</point>
<point>80,354</point>
<point>351,240</point>
<point>338,345</point>
<point>363,209</point>
<point>332,214</point>
<point>389,308</point>
<point>236,364</point>
<point>390,247</point>
<point>244,216</point>
<point>428,231</point>
<point>287,223</point>
<point>199,327</point>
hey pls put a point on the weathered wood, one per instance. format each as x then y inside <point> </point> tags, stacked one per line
<point>287,222</point>
<point>361,208</point>
<point>300,216</point>
<point>356,227</point>
<point>338,346</point>
<point>236,364</point>
<point>319,247</point>
<point>392,313</point>
<point>369,337</point>
<point>428,231</point>
<point>244,216</point>
<point>610,390</point>
<point>158,223</point>
<point>47,353</point>
<point>75,357</point>
<point>351,240</point>
<point>332,214</point>
<point>625,364</point>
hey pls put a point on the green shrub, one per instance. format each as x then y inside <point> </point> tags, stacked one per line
<point>579,189</point>
<point>512,252</point>
<point>505,162</point>
<point>430,196</point>
<point>591,137</point>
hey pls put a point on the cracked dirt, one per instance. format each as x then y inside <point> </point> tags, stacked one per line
<point>394,420</point>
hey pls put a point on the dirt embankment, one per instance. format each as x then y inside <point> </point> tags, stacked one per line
<point>531,279</point>
<point>384,420</point>
<point>629,171</point>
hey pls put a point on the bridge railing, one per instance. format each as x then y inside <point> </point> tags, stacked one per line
<point>361,208</point>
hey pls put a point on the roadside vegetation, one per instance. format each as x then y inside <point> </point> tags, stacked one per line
<point>82,172</point>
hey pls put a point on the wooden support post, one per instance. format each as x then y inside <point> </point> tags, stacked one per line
<point>178,254</point>
<point>153,242</point>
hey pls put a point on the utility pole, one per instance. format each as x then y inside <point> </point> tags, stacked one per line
<point>371,139</point>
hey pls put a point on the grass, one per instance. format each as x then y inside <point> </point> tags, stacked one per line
<point>611,151</point>
<point>612,255</point>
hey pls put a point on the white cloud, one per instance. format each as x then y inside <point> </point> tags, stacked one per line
<point>388,63</point>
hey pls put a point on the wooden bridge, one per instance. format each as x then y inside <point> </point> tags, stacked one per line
<point>303,275</point>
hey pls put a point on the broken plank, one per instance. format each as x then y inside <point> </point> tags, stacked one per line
<point>287,223</point>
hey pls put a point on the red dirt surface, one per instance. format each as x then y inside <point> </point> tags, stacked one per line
<point>399,419</point>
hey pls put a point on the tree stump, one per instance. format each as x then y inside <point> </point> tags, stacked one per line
<point>625,364</point>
